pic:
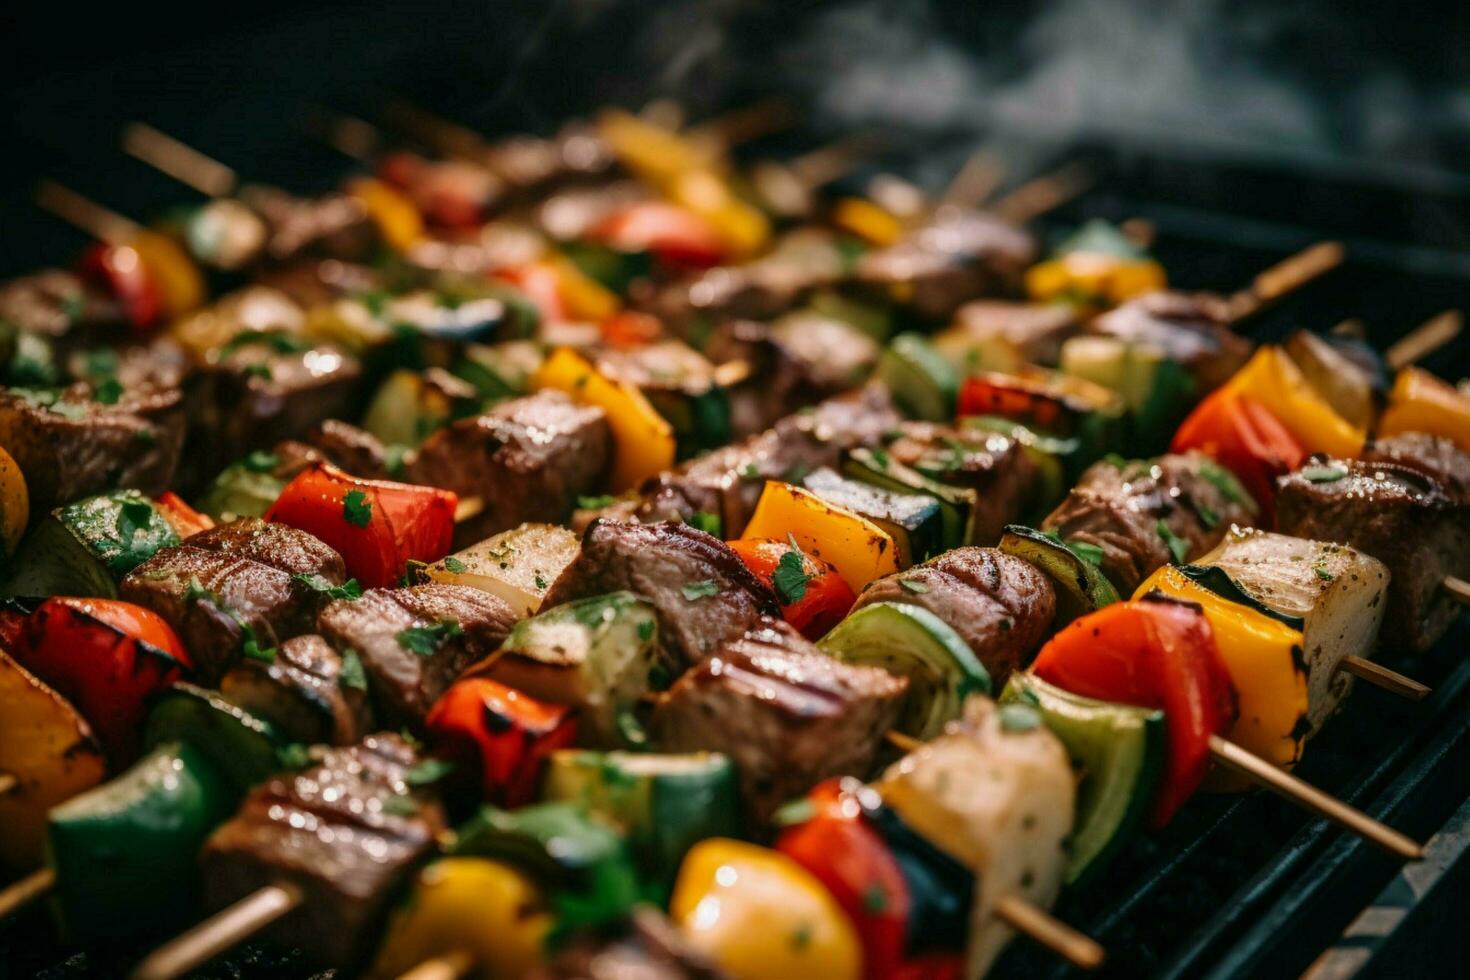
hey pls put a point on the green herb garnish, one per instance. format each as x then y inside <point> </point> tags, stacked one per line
<point>453,564</point>
<point>706,522</point>
<point>427,772</point>
<point>700,590</point>
<point>790,578</point>
<point>596,503</point>
<point>1178,547</point>
<point>1323,474</point>
<point>425,640</point>
<point>318,583</point>
<point>352,675</point>
<point>356,509</point>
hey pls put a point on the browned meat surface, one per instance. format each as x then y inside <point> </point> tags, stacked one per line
<point>1192,328</point>
<point>303,692</point>
<point>527,460</point>
<point>159,363</point>
<point>232,585</point>
<point>668,564</point>
<point>1133,511</point>
<point>1434,456</point>
<point>1399,516</point>
<point>69,446</point>
<point>348,832</point>
<point>349,448</point>
<point>1035,331</point>
<point>261,394</point>
<point>413,643</point>
<point>996,467</point>
<point>787,714</point>
<point>333,226</point>
<point>651,949</point>
<point>48,302</point>
<point>775,385</point>
<point>1000,605</point>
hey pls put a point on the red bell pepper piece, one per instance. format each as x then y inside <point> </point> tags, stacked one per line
<point>851,860</point>
<point>1244,437</point>
<point>541,282</point>
<point>1154,654</point>
<point>631,329</point>
<point>185,520</point>
<point>676,236</point>
<point>1025,400</point>
<point>120,270</point>
<point>377,526</point>
<point>503,734</point>
<point>825,597</point>
<point>107,658</point>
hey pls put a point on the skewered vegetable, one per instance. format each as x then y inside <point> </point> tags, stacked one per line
<point>813,596</point>
<point>518,565</point>
<point>859,549</point>
<point>84,548</point>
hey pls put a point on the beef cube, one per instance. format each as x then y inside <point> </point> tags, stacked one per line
<point>652,948</point>
<point>787,714</point>
<point>279,388</point>
<point>1192,329</point>
<point>661,562</point>
<point>1005,336</point>
<point>996,467</point>
<point>527,460</point>
<point>1435,456</point>
<point>353,450</point>
<point>413,643</point>
<point>347,833</point>
<point>305,692</point>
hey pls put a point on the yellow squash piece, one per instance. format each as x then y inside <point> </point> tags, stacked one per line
<point>761,916</point>
<point>397,220</point>
<point>1420,402</point>
<point>47,755</point>
<point>860,549</point>
<point>584,297</point>
<point>483,911</point>
<point>1272,379</point>
<point>15,504</point>
<point>180,284</point>
<point>1093,280</point>
<point>867,221</point>
<point>1266,665</point>
<point>653,152</point>
<point>644,440</point>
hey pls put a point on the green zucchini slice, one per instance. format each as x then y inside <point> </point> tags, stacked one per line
<point>956,504</point>
<point>85,548</point>
<point>1081,586</point>
<point>913,521</point>
<point>923,383</point>
<point>243,747</point>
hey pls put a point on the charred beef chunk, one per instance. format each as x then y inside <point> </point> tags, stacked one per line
<point>348,832</point>
<point>728,482</point>
<point>52,303</point>
<point>786,713</point>
<point>242,583</point>
<point>334,226</point>
<point>1398,515</point>
<point>1193,329</point>
<point>959,255</point>
<point>1144,514</point>
<point>527,459</point>
<point>703,593</point>
<point>160,362</point>
<point>1435,456</point>
<point>351,449</point>
<point>305,692</point>
<point>1033,333</point>
<point>1002,606</point>
<point>70,445</point>
<point>279,389</point>
<point>413,643</point>
<point>996,467</point>
<point>651,949</point>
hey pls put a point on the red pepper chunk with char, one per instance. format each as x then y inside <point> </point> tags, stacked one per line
<point>813,595</point>
<point>120,270</point>
<point>1153,654</point>
<point>377,526</point>
<point>1244,437</point>
<point>507,736</point>
<point>676,236</point>
<point>106,657</point>
<point>852,862</point>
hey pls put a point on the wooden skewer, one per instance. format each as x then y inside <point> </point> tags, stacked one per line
<point>1380,676</point>
<point>1037,924</point>
<point>1139,231</point>
<point>1278,781</point>
<point>902,742</point>
<point>1041,194</point>
<point>1424,339</point>
<point>19,894</point>
<point>745,124</point>
<point>666,113</point>
<point>436,131</point>
<point>219,932</point>
<point>8,782</point>
<point>826,163</point>
<point>1289,274</point>
<point>978,178</point>
<point>450,966</point>
<point>467,508</point>
<point>352,137</point>
<point>179,160</point>
<point>1458,588</point>
<point>1351,328</point>
<point>101,223</point>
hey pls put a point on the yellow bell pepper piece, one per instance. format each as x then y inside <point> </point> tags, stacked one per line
<point>180,284</point>
<point>1264,658</point>
<point>867,221</point>
<point>656,154</point>
<point>483,911</point>
<point>1273,380</point>
<point>584,297</point>
<point>1420,402</point>
<point>762,916</point>
<point>397,220</point>
<point>15,504</point>
<point>859,549</point>
<point>644,440</point>
<point>744,229</point>
<point>1094,279</point>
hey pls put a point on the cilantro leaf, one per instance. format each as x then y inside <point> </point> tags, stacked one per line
<point>427,772</point>
<point>596,503</point>
<point>356,509</point>
<point>706,522</point>
<point>318,583</point>
<point>700,590</point>
<point>1323,474</point>
<point>790,578</point>
<point>453,564</point>
<point>294,755</point>
<point>107,391</point>
<point>425,640</point>
<point>1178,547</point>
<point>352,675</point>
<point>261,461</point>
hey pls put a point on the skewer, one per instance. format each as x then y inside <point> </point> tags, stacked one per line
<point>1263,773</point>
<point>101,223</point>
<point>1458,588</point>
<point>1041,194</point>
<point>179,160</point>
<point>352,137</point>
<point>746,124</point>
<point>450,966</point>
<point>1038,925</point>
<point>1289,274</point>
<point>19,894</point>
<point>214,935</point>
<point>977,179</point>
<point>1380,676</point>
<point>8,782</point>
<point>1351,328</point>
<point>1424,339</point>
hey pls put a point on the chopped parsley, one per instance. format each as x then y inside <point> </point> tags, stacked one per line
<point>1227,484</point>
<point>794,812</point>
<point>261,371</point>
<point>425,640</point>
<point>453,564</point>
<point>750,471</point>
<point>706,522</point>
<point>790,578</point>
<point>413,572</point>
<point>278,342</point>
<point>1323,474</point>
<point>318,583</point>
<point>294,755</point>
<point>914,586</point>
<point>356,509</point>
<point>196,591</point>
<point>875,899</point>
<point>1207,515</point>
<point>880,456</point>
<point>261,461</point>
<point>108,391</point>
<point>540,581</point>
<point>700,590</point>
<point>596,503</point>
<point>352,675</point>
<point>801,937</point>
<point>1322,573</point>
<point>251,647</point>
<point>427,772</point>
<point>1178,547</point>
<point>645,630</point>
<point>400,806</point>
<point>132,517</point>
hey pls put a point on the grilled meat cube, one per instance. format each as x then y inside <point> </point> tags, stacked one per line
<point>1000,605</point>
<point>52,302</point>
<point>304,692</point>
<point>348,832</point>
<point>1140,511</point>
<point>262,395</point>
<point>787,714</point>
<point>351,449</point>
<point>651,949</point>
<point>1435,456</point>
<point>1003,335</point>
<point>69,445</point>
<point>333,226</point>
<point>413,643</point>
<point>527,459</point>
<point>662,563</point>
<point>160,363</point>
<point>1193,329</point>
<point>1401,517</point>
<point>232,584</point>
<point>996,467</point>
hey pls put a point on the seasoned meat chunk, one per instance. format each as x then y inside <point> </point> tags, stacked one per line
<point>334,226</point>
<point>1002,606</point>
<point>304,692</point>
<point>787,714</point>
<point>69,446</point>
<point>413,643</point>
<point>1006,335</point>
<point>348,832</point>
<point>261,394</point>
<point>673,566</point>
<point>235,584</point>
<point>996,467</point>
<point>1398,515</point>
<point>345,446</point>
<point>527,460</point>
<point>1435,456</point>
<point>1192,329</point>
<point>1140,512</point>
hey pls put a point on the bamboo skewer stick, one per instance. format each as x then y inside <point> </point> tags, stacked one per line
<point>1458,588</point>
<point>1045,193</point>
<point>214,935</point>
<point>1290,274</point>
<point>82,212</point>
<point>1424,339</point>
<point>1037,924</point>
<point>352,137</point>
<point>179,160</point>
<point>1380,676</point>
<point>746,124</point>
<point>8,782</point>
<point>978,178</point>
<point>18,895</point>
<point>450,966</point>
